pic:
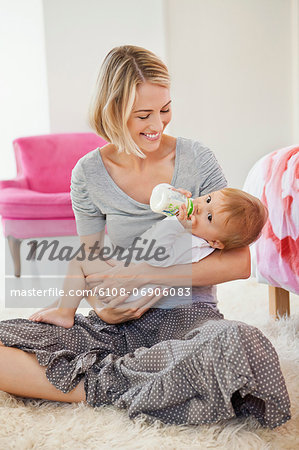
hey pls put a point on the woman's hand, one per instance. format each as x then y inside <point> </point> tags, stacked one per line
<point>115,285</point>
<point>183,191</point>
<point>93,280</point>
<point>126,312</point>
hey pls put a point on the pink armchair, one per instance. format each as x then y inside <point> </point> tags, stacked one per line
<point>37,202</point>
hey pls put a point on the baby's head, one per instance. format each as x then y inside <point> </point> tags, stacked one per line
<point>229,218</point>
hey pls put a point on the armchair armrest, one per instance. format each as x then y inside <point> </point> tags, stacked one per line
<point>19,182</point>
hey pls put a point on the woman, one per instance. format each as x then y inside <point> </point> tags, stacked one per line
<point>181,365</point>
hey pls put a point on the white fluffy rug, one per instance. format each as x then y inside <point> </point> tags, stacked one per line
<point>39,424</point>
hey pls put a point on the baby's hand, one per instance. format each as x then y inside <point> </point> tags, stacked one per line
<point>182,216</point>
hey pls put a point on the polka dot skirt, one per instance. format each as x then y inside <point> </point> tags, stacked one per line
<point>182,366</point>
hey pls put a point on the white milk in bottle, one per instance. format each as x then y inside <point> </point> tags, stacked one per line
<point>166,201</point>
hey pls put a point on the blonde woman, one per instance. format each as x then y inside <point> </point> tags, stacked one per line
<point>185,365</point>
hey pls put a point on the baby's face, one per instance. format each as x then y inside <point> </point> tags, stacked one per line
<point>207,220</point>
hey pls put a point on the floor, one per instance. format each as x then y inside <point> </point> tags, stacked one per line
<point>38,424</point>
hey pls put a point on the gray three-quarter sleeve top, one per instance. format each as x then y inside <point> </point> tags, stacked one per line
<point>98,201</point>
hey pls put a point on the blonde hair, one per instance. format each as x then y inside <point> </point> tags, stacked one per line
<point>246,216</point>
<point>123,69</point>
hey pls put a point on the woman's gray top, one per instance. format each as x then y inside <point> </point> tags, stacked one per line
<point>98,201</point>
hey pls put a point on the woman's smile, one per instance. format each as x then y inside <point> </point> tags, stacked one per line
<point>152,136</point>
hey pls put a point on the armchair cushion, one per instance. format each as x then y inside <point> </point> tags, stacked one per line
<point>26,204</point>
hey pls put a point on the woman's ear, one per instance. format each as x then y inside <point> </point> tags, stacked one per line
<point>216,244</point>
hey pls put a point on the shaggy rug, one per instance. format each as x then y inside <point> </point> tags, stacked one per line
<point>33,424</point>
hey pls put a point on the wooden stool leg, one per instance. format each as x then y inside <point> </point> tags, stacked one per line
<point>14,246</point>
<point>279,302</point>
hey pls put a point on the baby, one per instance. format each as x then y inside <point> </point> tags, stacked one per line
<point>225,219</point>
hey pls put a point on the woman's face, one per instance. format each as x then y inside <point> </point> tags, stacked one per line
<point>150,115</point>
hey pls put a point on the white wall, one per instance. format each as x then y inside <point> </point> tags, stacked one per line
<point>234,66</point>
<point>233,77</point>
<point>295,67</point>
<point>79,33</point>
<point>23,81</point>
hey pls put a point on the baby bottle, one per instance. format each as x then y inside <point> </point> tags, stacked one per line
<point>166,201</point>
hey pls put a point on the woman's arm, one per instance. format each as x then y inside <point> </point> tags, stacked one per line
<point>93,244</point>
<point>220,267</point>
<point>95,240</point>
<point>216,268</point>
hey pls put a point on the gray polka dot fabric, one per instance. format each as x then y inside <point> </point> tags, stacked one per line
<point>182,366</point>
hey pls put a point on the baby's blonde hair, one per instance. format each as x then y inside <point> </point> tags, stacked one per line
<point>246,216</point>
<point>123,69</point>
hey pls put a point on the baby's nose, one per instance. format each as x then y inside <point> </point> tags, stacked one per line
<point>197,208</point>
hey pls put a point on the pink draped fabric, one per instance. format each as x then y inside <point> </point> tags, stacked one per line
<point>275,256</point>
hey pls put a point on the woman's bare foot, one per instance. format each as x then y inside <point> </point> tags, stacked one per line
<point>37,313</point>
<point>60,317</point>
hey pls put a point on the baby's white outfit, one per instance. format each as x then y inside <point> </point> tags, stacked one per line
<point>181,247</point>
